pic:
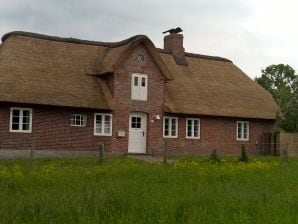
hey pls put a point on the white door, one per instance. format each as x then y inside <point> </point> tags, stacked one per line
<point>137,132</point>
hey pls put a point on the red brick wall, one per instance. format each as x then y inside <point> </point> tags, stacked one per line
<point>218,133</point>
<point>50,130</point>
<point>123,104</point>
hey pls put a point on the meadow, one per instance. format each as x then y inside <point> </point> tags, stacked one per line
<point>126,190</point>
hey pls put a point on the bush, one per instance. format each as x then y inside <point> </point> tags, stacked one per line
<point>214,156</point>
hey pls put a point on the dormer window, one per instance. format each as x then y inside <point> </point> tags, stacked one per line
<point>139,87</point>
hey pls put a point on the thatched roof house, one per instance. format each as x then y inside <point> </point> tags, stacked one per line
<point>37,69</point>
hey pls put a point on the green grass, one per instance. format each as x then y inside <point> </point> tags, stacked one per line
<point>125,190</point>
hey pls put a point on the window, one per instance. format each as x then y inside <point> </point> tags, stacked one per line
<point>242,130</point>
<point>193,128</point>
<point>20,120</point>
<point>136,122</point>
<point>103,124</point>
<point>139,87</point>
<point>170,127</point>
<point>78,120</point>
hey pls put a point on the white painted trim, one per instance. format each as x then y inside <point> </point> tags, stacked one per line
<point>21,109</point>
<point>102,123</point>
<point>242,122</point>
<point>192,128</point>
<point>170,126</point>
<point>84,116</point>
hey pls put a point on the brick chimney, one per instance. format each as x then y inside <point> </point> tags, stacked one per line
<point>174,43</point>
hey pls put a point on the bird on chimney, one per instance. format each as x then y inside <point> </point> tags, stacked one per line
<point>174,30</point>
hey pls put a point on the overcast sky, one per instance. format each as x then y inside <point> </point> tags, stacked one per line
<point>252,33</point>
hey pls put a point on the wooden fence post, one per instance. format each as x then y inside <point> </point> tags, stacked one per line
<point>101,152</point>
<point>165,152</point>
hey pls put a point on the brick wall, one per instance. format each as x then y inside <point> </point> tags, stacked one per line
<point>218,133</point>
<point>50,130</point>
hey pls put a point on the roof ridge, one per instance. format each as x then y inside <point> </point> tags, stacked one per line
<point>70,39</point>
<point>194,55</point>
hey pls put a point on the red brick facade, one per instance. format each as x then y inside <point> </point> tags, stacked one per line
<point>51,128</point>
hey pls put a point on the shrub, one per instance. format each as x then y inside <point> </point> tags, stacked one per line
<point>214,156</point>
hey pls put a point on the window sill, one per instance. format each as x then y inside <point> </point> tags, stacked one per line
<point>18,131</point>
<point>103,135</point>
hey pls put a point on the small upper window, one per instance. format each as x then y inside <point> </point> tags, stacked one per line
<point>193,128</point>
<point>78,120</point>
<point>20,120</point>
<point>139,88</point>
<point>242,130</point>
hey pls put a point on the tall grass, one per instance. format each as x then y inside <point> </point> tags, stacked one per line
<point>124,190</point>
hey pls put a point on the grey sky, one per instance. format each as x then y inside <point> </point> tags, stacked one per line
<point>252,33</point>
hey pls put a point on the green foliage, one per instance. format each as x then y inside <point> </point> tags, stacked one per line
<point>214,156</point>
<point>124,190</point>
<point>282,82</point>
<point>244,156</point>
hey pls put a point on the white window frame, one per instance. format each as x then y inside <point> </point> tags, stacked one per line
<point>21,109</point>
<point>192,128</point>
<point>82,119</point>
<point>242,131</point>
<point>102,124</point>
<point>139,87</point>
<point>170,127</point>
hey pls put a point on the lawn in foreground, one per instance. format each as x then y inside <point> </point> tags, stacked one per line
<point>125,190</point>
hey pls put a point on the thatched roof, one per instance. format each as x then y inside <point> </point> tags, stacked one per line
<point>31,71</point>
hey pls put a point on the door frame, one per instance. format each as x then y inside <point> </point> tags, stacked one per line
<point>144,122</point>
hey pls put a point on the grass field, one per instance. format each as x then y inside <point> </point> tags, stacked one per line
<point>125,190</point>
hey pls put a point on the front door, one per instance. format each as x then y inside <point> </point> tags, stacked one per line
<point>137,132</point>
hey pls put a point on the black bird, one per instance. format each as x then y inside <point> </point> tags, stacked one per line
<point>176,30</point>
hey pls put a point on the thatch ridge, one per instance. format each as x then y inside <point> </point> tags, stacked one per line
<point>201,56</point>
<point>70,39</point>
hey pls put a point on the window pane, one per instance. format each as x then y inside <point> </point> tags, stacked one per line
<point>189,128</point>
<point>26,113</point>
<point>143,81</point>
<point>244,135</point>
<point>15,126</point>
<point>26,120</point>
<point>173,127</point>
<point>136,81</point>
<point>107,130</point>
<point>84,120</point>
<point>16,113</point>
<point>166,127</point>
<point>196,129</point>
<point>98,124</point>
<point>25,127</point>
<point>15,120</point>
